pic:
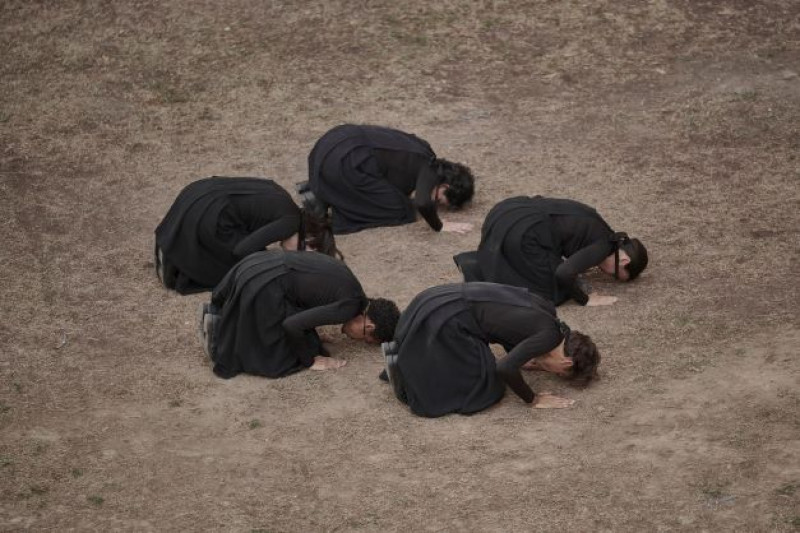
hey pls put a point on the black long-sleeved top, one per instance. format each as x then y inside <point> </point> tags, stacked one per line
<point>584,243</point>
<point>412,173</point>
<point>270,219</point>
<point>524,332</point>
<point>333,298</point>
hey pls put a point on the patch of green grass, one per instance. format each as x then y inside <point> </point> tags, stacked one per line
<point>174,403</point>
<point>4,408</point>
<point>38,490</point>
<point>683,320</point>
<point>169,94</point>
<point>713,492</point>
<point>206,114</point>
<point>410,39</point>
<point>5,461</point>
<point>788,489</point>
<point>95,499</point>
<point>794,521</point>
<point>16,385</point>
<point>76,472</point>
<point>747,95</point>
<point>4,117</point>
<point>40,448</point>
<point>254,424</point>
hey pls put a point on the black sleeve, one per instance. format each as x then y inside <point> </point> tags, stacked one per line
<point>427,181</point>
<point>277,230</point>
<point>581,261</point>
<point>508,367</point>
<point>297,325</point>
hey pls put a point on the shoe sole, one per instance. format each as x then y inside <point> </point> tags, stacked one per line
<point>207,324</point>
<point>202,310</point>
<point>160,265</point>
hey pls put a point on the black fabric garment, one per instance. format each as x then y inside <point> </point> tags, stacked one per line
<point>271,302</point>
<point>443,342</point>
<point>366,173</point>
<point>214,222</point>
<point>543,244</point>
<point>412,173</point>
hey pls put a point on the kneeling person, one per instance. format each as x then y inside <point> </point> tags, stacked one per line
<point>368,175</point>
<point>216,222</point>
<point>262,315</point>
<point>441,363</point>
<point>544,244</point>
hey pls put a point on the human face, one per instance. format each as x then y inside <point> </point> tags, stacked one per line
<point>360,328</point>
<point>555,362</point>
<point>608,263</point>
<point>439,197</point>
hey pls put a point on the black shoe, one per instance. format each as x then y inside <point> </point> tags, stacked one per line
<point>392,372</point>
<point>202,311</point>
<point>302,187</point>
<point>166,272</point>
<point>158,263</point>
<point>210,334</point>
<point>467,263</point>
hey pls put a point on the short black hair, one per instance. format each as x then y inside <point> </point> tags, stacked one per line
<point>638,254</point>
<point>585,357</point>
<point>458,178</point>
<point>384,314</point>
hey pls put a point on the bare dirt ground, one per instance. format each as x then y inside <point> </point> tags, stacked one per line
<point>678,119</point>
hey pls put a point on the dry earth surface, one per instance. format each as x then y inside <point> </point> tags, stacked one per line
<point>677,119</point>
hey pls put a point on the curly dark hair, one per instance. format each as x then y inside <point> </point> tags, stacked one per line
<point>585,357</point>
<point>458,178</point>
<point>318,234</point>
<point>638,254</point>
<point>384,314</point>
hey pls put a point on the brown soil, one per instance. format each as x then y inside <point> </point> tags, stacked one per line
<point>677,119</point>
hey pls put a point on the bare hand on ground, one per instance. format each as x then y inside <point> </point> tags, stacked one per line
<point>327,363</point>
<point>545,400</point>
<point>600,299</point>
<point>456,227</point>
<point>327,339</point>
<point>533,364</point>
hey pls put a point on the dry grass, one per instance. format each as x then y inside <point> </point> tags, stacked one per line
<point>677,120</point>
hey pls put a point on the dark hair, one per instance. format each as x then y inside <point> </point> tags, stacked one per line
<point>318,234</point>
<point>584,355</point>
<point>458,178</point>
<point>638,254</point>
<point>384,314</point>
